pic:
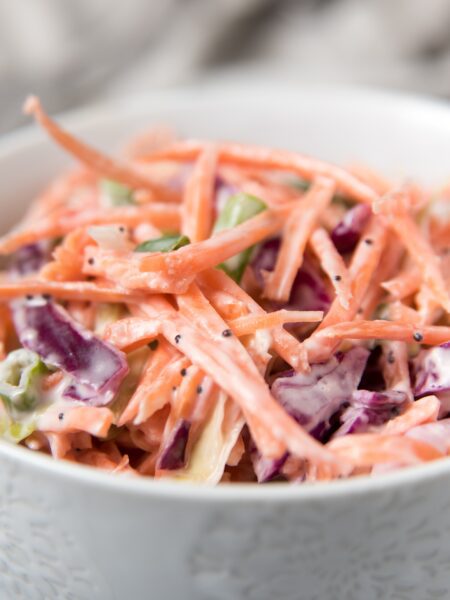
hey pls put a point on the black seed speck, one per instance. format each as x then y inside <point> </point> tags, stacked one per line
<point>61,416</point>
<point>46,296</point>
<point>174,388</point>
<point>337,278</point>
<point>199,389</point>
<point>122,229</point>
<point>90,261</point>
<point>183,372</point>
<point>418,336</point>
<point>29,296</point>
<point>227,333</point>
<point>177,338</point>
<point>368,241</point>
<point>153,344</point>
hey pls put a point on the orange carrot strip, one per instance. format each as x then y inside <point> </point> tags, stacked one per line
<point>418,247</point>
<point>151,140</point>
<point>187,394</point>
<point>368,449</point>
<point>424,410</point>
<point>154,391</point>
<point>251,323</point>
<point>428,309</point>
<point>60,444</point>
<point>83,312</point>
<point>389,261</point>
<point>197,257</point>
<point>125,270</point>
<point>98,162</point>
<point>165,216</point>
<point>403,313</point>
<point>198,208</point>
<point>132,332</point>
<point>155,364</point>
<point>151,398</point>
<point>389,330</point>
<point>67,263</point>
<point>61,193</point>
<point>363,265</point>
<point>259,184</point>
<point>50,381</point>
<point>395,367</point>
<point>370,177</point>
<point>92,419</point>
<point>280,160</point>
<point>215,282</point>
<point>67,290</point>
<point>231,368</point>
<point>5,325</point>
<point>297,229</point>
<point>404,284</point>
<point>333,265</point>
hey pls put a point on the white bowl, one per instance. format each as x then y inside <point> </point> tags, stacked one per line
<point>69,532</point>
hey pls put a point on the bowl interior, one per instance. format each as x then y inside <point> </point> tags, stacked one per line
<point>399,135</point>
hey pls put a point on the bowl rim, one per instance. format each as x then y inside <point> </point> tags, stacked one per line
<point>87,116</point>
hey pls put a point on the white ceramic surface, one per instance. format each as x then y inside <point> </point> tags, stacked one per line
<point>69,532</point>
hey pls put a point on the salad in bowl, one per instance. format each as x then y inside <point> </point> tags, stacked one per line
<point>215,312</point>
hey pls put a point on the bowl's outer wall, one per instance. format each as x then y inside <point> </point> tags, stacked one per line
<point>62,538</point>
<point>65,541</point>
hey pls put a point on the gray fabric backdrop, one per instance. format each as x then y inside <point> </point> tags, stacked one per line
<point>70,51</point>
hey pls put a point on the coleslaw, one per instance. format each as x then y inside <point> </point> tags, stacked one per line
<point>220,312</point>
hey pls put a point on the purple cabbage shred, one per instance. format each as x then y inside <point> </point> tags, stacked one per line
<point>308,290</point>
<point>314,399</point>
<point>173,455</point>
<point>346,234</point>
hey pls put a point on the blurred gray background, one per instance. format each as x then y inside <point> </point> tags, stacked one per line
<point>73,51</point>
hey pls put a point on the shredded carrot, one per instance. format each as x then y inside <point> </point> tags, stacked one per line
<point>368,449</point>
<point>395,366</point>
<point>130,333</point>
<point>198,207</point>
<point>284,343</point>
<point>50,381</point>
<point>375,294</point>
<point>124,268</point>
<point>266,158</point>
<point>98,162</point>
<point>404,284</point>
<point>165,216</point>
<point>5,327</point>
<point>424,410</point>
<point>333,265</point>
<point>152,398</point>
<point>363,265</point>
<point>370,177</point>
<point>297,229</point>
<point>403,313</point>
<point>67,290</point>
<point>197,257</point>
<point>251,323</point>
<point>418,246</point>
<point>279,429</point>
<point>91,419</point>
<point>388,330</point>
<point>67,263</point>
